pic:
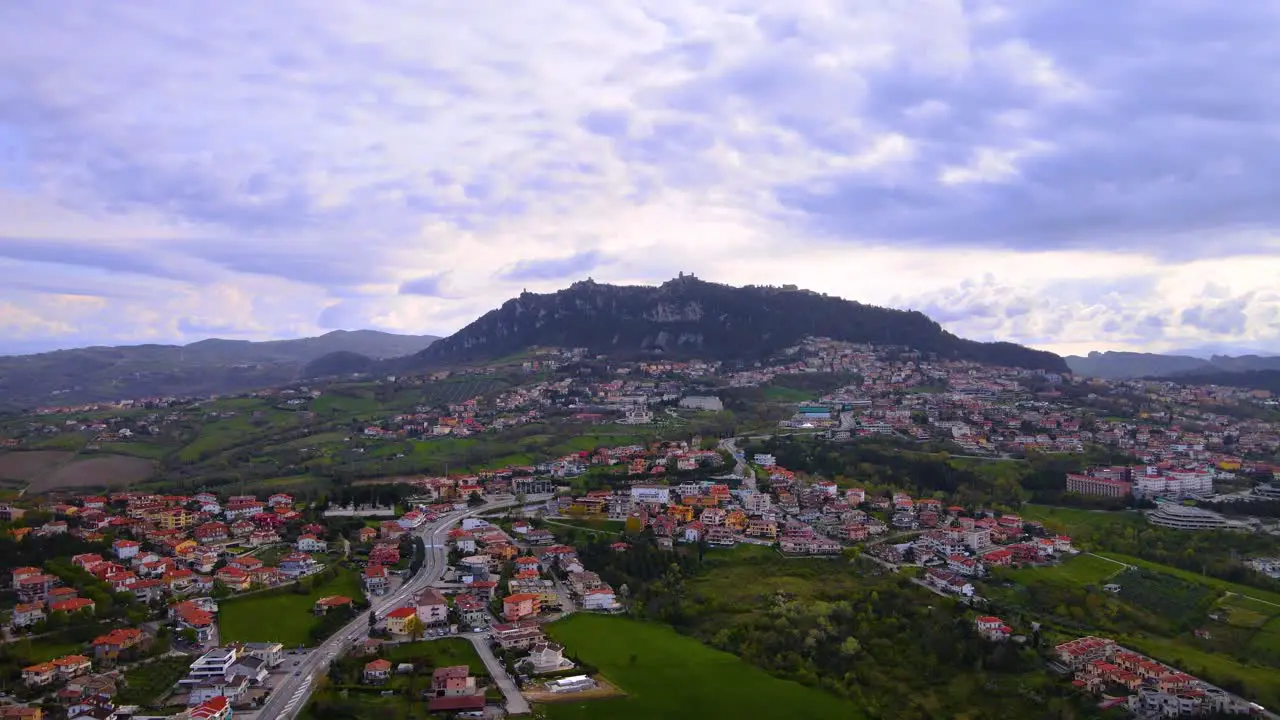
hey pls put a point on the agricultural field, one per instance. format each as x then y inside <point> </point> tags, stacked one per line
<point>146,684</point>
<point>98,471</point>
<point>667,675</point>
<point>1175,599</point>
<point>28,466</point>
<point>45,470</point>
<point>281,616</point>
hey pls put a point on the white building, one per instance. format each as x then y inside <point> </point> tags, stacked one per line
<point>702,402</point>
<point>601,599</point>
<point>1182,517</point>
<point>1175,484</point>
<point>571,684</point>
<point>657,494</point>
<point>213,665</point>
<point>764,460</point>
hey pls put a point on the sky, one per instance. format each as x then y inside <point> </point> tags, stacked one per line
<point>1071,176</point>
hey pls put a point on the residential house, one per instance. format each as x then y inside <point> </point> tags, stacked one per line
<point>234,578</point>
<point>366,535</point>
<point>992,628</point>
<point>74,605</point>
<point>521,605</point>
<point>310,543</point>
<point>70,666</point>
<point>215,708</point>
<point>452,681</point>
<point>260,537</point>
<point>252,668</point>
<point>600,598</point>
<point>432,607</point>
<point>545,657</point>
<point>228,687</point>
<point>33,587</point>
<point>120,641</point>
<point>472,610</point>
<point>402,621</point>
<point>377,671</point>
<point>280,499</point>
<point>375,580</point>
<point>190,615</point>
<point>297,564</point>
<point>211,532</point>
<point>518,636</point>
<point>331,602</point>
<point>28,614</point>
<point>126,549</point>
<point>39,675</point>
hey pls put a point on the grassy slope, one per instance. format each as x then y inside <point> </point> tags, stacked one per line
<point>674,677</point>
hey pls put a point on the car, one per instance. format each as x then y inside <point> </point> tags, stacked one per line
<point>297,673</point>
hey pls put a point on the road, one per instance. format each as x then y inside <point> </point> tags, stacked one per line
<point>516,704</point>
<point>290,695</point>
<point>740,467</point>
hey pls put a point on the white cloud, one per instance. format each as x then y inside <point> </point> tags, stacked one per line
<point>282,168</point>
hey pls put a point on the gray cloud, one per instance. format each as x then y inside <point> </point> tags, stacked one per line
<point>558,268</point>
<point>429,286</point>
<point>1225,317</point>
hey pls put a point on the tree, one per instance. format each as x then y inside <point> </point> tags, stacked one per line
<point>475,500</point>
<point>189,636</point>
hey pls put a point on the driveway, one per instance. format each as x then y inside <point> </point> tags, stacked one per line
<point>516,704</point>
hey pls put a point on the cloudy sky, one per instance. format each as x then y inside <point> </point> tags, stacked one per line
<point>1068,175</point>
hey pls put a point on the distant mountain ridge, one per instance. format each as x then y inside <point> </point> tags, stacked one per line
<point>98,374</point>
<point>687,317</point>
<point>1121,365</point>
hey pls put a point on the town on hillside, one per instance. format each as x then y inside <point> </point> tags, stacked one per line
<point>1015,496</point>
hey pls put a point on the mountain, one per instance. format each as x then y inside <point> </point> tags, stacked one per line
<point>1119,365</point>
<point>1116,365</point>
<point>1250,379</point>
<point>1208,350</point>
<point>95,374</point>
<point>687,317</point>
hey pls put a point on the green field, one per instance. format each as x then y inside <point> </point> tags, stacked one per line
<point>666,675</point>
<point>343,705</point>
<point>776,393</point>
<point>1083,569</point>
<point>37,651</point>
<point>438,653</point>
<point>284,617</point>
<point>1074,521</point>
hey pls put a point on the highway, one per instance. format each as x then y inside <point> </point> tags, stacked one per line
<point>290,694</point>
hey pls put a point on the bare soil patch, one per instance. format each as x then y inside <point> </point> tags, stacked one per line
<point>31,465</point>
<point>101,471</point>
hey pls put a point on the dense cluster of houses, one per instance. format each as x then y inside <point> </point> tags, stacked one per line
<point>1140,684</point>
<point>168,546</point>
<point>987,409</point>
